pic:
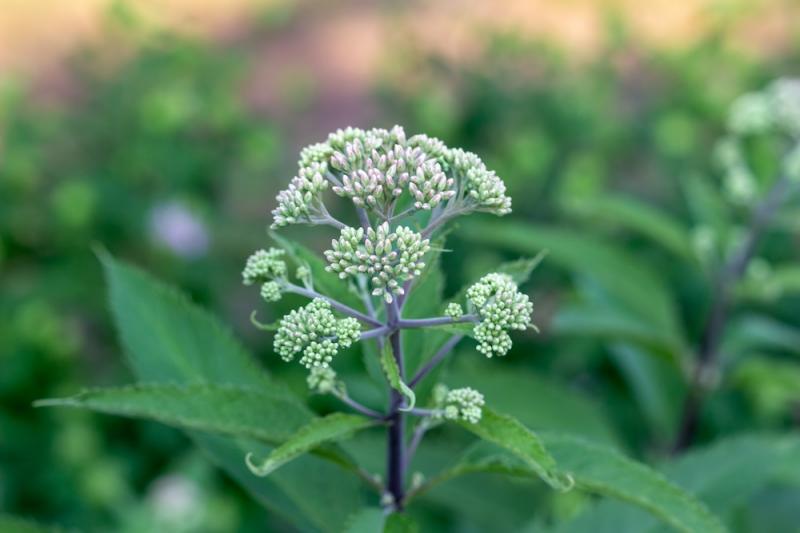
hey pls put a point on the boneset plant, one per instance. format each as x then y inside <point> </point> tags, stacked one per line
<point>374,291</point>
<point>403,190</point>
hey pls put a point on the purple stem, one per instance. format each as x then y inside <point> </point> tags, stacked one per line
<point>291,287</point>
<point>408,323</point>
<point>443,352</point>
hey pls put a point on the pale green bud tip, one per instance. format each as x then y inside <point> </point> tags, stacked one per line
<point>316,333</point>
<point>264,265</point>
<point>454,311</point>
<point>387,258</point>
<point>501,307</point>
<point>271,291</point>
<point>775,108</point>
<point>463,404</point>
<point>322,380</point>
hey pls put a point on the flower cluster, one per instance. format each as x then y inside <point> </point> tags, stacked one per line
<point>454,311</point>
<point>301,202</point>
<point>264,265</point>
<point>315,332</point>
<point>387,258</point>
<point>322,379</point>
<point>775,109</point>
<point>500,307</point>
<point>376,168</point>
<point>459,404</point>
<point>485,191</point>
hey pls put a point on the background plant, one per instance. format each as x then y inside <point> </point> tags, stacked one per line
<point>629,123</point>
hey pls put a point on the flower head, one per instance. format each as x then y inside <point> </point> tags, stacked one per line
<point>500,307</point>
<point>322,380</point>
<point>264,265</point>
<point>271,291</point>
<point>387,258</point>
<point>378,169</point>
<point>316,333</point>
<point>461,404</point>
<point>454,311</point>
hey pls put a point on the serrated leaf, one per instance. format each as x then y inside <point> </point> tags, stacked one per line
<point>400,523</point>
<point>392,372</point>
<point>317,432</point>
<point>724,475</point>
<point>604,471</point>
<point>638,217</point>
<point>169,340</point>
<point>508,433</point>
<point>226,409</point>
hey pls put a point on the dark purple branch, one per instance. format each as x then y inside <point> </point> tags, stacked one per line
<point>443,352</point>
<point>290,287</point>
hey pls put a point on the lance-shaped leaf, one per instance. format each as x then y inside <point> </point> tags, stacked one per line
<point>226,409</point>
<point>170,340</point>
<point>598,470</point>
<point>508,433</point>
<point>392,372</point>
<point>317,432</point>
<point>604,471</point>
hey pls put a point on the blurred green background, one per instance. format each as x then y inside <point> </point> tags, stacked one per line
<point>163,137</point>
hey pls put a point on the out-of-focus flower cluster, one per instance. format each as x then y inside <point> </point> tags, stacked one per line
<point>458,404</point>
<point>316,333</point>
<point>387,258</point>
<point>500,307</point>
<point>773,110</point>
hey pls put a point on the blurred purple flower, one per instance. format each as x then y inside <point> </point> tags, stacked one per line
<point>177,228</point>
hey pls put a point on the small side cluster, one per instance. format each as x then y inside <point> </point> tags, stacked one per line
<point>322,380</point>
<point>500,307</point>
<point>459,404</point>
<point>316,333</point>
<point>485,191</point>
<point>387,258</point>
<point>265,266</point>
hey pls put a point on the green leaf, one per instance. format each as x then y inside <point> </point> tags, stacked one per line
<point>604,471</point>
<point>392,372</point>
<point>366,521</point>
<point>317,432</point>
<point>725,475</point>
<point>226,409</point>
<point>169,340</point>
<point>14,524</point>
<point>753,333</point>
<point>508,433</point>
<point>400,523</point>
<point>631,284</point>
<point>638,217</point>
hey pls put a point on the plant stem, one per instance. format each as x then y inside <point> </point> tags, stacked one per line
<point>364,410</point>
<point>309,293</point>
<point>377,332</point>
<point>708,351</point>
<point>443,352</point>
<point>409,323</point>
<point>396,446</point>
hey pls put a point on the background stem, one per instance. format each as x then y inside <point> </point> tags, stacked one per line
<point>708,351</point>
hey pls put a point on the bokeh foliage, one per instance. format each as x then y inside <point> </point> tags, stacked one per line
<point>610,165</point>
